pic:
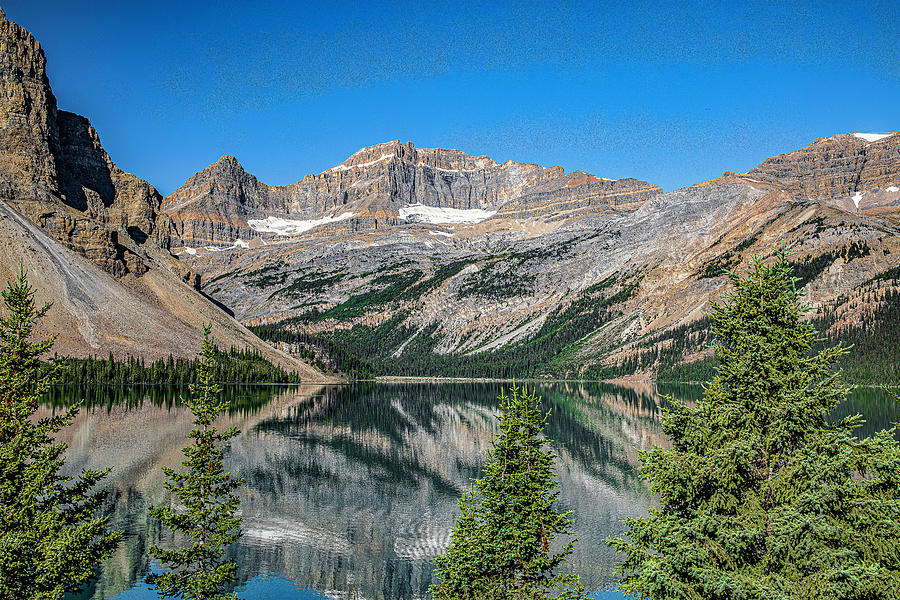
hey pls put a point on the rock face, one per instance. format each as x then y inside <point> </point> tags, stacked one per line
<point>54,170</point>
<point>387,185</point>
<point>409,255</point>
<point>836,166</point>
<point>91,236</point>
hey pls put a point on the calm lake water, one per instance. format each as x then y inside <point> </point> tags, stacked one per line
<point>353,489</point>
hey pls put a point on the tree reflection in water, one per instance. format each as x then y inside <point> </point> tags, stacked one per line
<point>356,486</point>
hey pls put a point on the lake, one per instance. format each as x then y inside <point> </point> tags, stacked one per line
<point>351,490</point>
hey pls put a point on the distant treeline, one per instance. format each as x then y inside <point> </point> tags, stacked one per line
<point>232,366</point>
<point>874,355</point>
<point>363,351</point>
<point>319,351</point>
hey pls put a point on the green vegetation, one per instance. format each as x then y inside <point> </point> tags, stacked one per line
<point>50,537</point>
<point>698,370</point>
<point>872,359</point>
<point>393,287</point>
<point>497,279</point>
<point>389,287</point>
<point>505,276</point>
<point>205,512</point>
<point>886,275</point>
<point>233,366</point>
<point>319,351</point>
<point>243,399</point>
<point>363,351</point>
<point>728,260</point>
<point>875,342</point>
<point>267,276</point>
<point>762,495</point>
<point>303,285</point>
<point>664,351</point>
<point>810,267</point>
<point>500,548</point>
<point>548,350</point>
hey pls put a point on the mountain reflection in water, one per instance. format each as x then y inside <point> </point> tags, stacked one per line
<point>356,487</point>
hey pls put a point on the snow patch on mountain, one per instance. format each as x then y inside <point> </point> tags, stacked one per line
<point>419,213</point>
<point>343,167</point>
<point>433,168</point>
<point>872,137</point>
<point>281,226</point>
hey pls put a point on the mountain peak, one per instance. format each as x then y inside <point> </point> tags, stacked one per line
<point>441,159</point>
<point>226,164</point>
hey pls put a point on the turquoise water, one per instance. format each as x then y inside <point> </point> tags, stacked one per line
<point>273,587</point>
<point>352,490</point>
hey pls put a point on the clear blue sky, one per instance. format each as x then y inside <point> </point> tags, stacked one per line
<point>673,93</point>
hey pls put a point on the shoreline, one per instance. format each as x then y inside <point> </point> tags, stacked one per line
<point>419,379</point>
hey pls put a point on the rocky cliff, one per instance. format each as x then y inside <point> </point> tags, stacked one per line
<point>54,170</point>
<point>428,260</point>
<point>851,165</point>
<point>383,186</point>
<point>92,236</point>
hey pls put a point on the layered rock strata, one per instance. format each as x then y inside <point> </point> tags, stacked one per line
<point>835,167</point>
<point>54,170</point>
<point>376,187</point>
<point>90,235</point>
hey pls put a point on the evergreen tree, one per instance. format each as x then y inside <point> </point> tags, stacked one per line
<point>500,547</point>
<point>205,513</point>
<point>761,495</point>
<point>50,537</point>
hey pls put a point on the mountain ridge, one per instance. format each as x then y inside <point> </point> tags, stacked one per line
<point>470,289</point>
<point>381,185</point>
<point>428,260</point>
<point>92,236</point>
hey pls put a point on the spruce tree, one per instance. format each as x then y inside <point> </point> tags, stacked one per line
<point>50,537</point>
<point>204,515</point>
<point>501,545</point>
<point>762,495</point>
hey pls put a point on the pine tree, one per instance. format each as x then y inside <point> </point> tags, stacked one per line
<point>500,548</point>
<point>204,515</point>
<point>761,495</point>
<point>50,537</point>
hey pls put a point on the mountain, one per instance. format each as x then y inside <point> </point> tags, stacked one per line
<point>92,236</point>
<point>384,186</point>
<point>433,261</point>
<point>852,171</point>
<point>428,261</point>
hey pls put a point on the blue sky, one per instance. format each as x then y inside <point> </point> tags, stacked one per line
<point>673,93</point>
